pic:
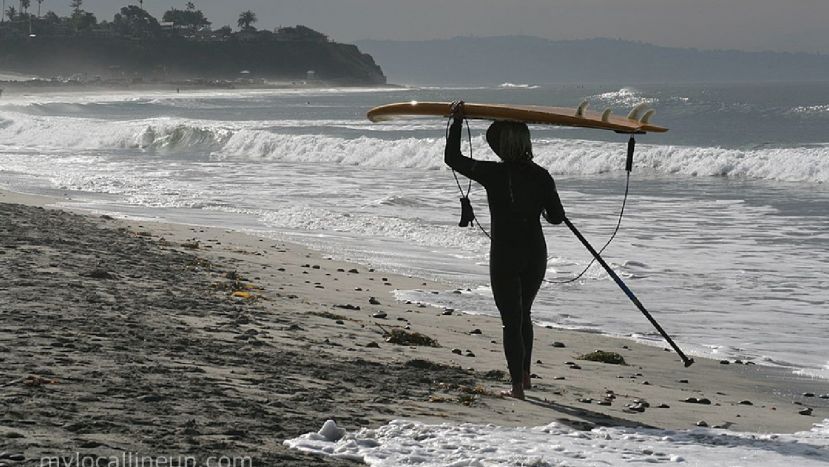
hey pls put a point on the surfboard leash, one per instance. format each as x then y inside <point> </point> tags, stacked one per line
<point>467,213</point>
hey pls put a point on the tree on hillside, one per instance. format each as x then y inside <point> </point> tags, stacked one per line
<point>11,13</point>
<point>301,33</point>
<point>84,20</point>
<point>24,5</point>
<point>246,18</point>
<point>39,2</point>
<point>136,22</point>
<point>189,18</point>
<point>76,6</point>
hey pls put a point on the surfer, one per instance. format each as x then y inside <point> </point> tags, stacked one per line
<point>518,192</point>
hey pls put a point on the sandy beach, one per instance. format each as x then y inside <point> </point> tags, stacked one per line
<point>164,339</point>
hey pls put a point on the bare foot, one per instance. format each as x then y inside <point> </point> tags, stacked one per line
<point>516,392</point>
<point>527,381</point>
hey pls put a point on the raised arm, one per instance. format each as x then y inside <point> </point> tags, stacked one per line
<point>480,171</point>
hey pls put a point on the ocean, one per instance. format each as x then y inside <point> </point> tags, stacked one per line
<point>725,236</point>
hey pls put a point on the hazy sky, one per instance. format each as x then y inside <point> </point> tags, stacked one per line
<point>783,25</point>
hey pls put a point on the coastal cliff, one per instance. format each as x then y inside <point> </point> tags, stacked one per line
<point>179,58</point>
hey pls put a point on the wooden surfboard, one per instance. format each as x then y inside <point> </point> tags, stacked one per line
<point>637,121</point>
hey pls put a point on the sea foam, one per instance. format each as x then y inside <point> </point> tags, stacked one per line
<point>413,443</point>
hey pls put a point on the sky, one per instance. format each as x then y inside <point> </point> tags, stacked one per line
<point>778,25</point>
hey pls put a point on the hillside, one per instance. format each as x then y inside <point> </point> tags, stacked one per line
<point>176,58</point>
<point>522,59</point>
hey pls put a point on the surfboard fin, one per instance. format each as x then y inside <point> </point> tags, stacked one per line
<point>646,118</point>
<point>634,112</point>
<point>582,107</point>
<point>606,115</point>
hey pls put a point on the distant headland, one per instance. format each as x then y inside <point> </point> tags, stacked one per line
<point>182,47</point>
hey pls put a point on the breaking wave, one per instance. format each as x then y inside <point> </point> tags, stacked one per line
<point>390,146</point>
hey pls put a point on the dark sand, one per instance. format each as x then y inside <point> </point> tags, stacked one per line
<point>119,336</point>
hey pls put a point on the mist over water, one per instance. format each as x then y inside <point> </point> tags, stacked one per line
<point>725,237</point>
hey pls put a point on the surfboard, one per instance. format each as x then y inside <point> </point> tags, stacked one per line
<point>637,121</point>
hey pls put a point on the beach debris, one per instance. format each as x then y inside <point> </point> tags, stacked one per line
<point>328,315</point>
<point>498,375</point>
<point>425,364</point>
<point>380,315</point>
<point>353,271</point>
<point>403,337</point>
<point>684,381</point>
<point>663,406</point>
<point>242,295</point>
<point>586,400</point>
<point>807,411</point>
<point>99,273</point>
<point>373,301</point>
<point>636,407</point>
<point>31,381</point>
<point>14,457</point>
<point>475,331</point>
<point>373,345</point>
<point>339,321</point>
<point>559,378</point>
<point>746,402</point>
<point>330,431</point>
<point>694,400</point>
<point>194,245</point>
<point>447,312</point>
<point>150,398</point>
<point>347,306</point>
<point>558,345</point>
<point>702,423</point>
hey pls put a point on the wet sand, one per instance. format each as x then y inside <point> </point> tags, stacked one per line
<point>166,339</point>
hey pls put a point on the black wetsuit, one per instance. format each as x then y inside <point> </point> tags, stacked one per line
<point>518,193</point>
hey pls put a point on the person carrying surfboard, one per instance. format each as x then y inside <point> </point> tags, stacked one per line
<point>519,192</point>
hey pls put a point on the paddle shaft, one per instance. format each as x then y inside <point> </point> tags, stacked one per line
<point>687,361</point>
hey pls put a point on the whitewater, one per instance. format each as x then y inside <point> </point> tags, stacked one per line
<point>725,238</point>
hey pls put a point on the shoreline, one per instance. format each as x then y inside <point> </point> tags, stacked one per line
<point>40,86</point>
<point>290,349</point>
